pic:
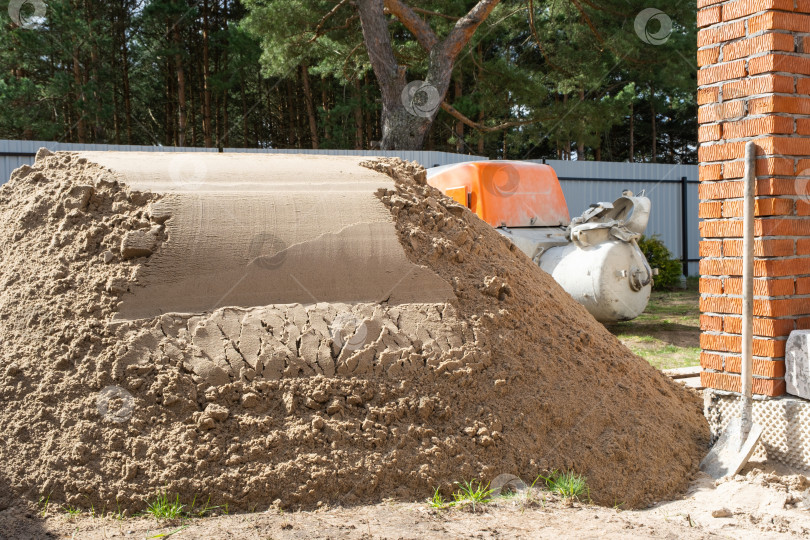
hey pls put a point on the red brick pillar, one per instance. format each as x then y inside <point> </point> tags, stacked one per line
<point>753,84</point>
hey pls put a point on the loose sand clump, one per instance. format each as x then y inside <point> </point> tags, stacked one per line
<point>295,404</point>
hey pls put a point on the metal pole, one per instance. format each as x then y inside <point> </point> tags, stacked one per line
<point>684,228</point>
<point>748,288</point>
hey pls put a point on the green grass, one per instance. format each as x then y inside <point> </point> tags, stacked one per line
<point>469,494</point>
<point>667,334</point>
<point>71,511</point>
<point>569,485</point>
<point>162,507</point>
<point>43,504</point>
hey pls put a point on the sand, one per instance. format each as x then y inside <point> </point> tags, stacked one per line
<point>375,342</point>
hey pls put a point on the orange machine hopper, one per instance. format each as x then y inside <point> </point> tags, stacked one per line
<point>505,193</point>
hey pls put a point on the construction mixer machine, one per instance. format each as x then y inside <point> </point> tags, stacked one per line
<point>595,257</point>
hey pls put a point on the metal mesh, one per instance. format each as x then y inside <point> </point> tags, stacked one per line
<point>785,422</point>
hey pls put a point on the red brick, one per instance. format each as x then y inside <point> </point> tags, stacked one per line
<point>789,146</point>
<point>755,127</point>
<point>726,32</point>
<point>803,323</point>
<point>762,287</point>
<point>710,172</point>
<point>711,361</point>
<point>763,368</point>
<point>803,208</point>
<point>711,323</point>
<point>803,246</point>
<point>706,57</point>
<point>711,248</point>
<point>741,8</point>
<point>720,304</point>
<point>724,72</point>
<point>732,266</point>
<point>709,16</point>
<point>758,85</point>
<point>776,62</point>
<point>709,132</point>
<point>762,207</point>
<point>710,209</point>
<point>803,285</point>
<point>774,20</point>
<point>758,44</point>
<point>769,247</point>
<point>705,3</point>
<point>731,383</point>
<point>803,126</point>
<point>707,95</point>
<point>720,190</point>
<point>802,6</point>
<point>782,227</point>
<point>710,285</point>
<point>779,104</point>
<point>803,85</point>
<point>721,152</point>
<point>724,111</point>
<point>766,166</point>
<point>762,327</point>
<point>781,307</point>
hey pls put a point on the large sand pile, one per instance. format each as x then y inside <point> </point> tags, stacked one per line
<point>132,363</point>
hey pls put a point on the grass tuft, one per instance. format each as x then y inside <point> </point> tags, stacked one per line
<point>162,507</point>
<point>472,493</point>
<point>569,485</point>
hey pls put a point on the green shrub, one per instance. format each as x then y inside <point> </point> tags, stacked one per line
<point>669,268</point>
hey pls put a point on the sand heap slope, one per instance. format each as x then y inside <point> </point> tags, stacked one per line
<point>209,334</point>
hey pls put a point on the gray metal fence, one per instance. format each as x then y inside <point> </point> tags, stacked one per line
<point>583,182</point>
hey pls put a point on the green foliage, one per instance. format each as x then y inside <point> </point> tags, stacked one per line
<point>162,507</point>
<point>472,493</point>
<point>658,256</point>
<point>568,485</point>
<point>108,72</point>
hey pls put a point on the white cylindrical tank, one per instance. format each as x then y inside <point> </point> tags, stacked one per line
<point>611,279</point>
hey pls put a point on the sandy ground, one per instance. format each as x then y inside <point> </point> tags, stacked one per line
<point>765,502</point>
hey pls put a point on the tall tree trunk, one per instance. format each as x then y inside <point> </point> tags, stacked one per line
<point>654,132</point>
<point>327,134</point>
<point>77,79</point>
<point>308,101</point>
<point>632,138</point>
<point>127,91</point>
<point>181,87</point>
<point>459,127</point>
<point>209,142</point>
<point>581,142</point>
<point>358,116</point>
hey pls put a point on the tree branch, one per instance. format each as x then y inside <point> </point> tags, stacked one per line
<point>435,14</point>
<point>449,109</point>
<point>464,29</point>
<point>325,18</point>
<point>390,75</point>
<point>417,26</point>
